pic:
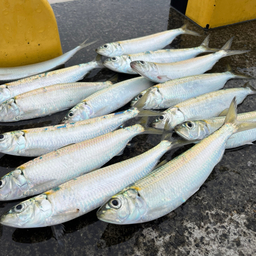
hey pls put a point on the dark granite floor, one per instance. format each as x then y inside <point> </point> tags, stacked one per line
<point>220,218</point>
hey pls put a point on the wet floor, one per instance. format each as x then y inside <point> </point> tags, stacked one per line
<point>220,218</point>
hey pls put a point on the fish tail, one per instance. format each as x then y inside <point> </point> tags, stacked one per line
<point>205,45</point>
<point>231,118</point>
<point>189,32</point>
<point>229,52</point>
<point>98,60</point>
<point>236,75</point>
<point>148,130</point>
<point>83,44</point>
<point>252,90</point>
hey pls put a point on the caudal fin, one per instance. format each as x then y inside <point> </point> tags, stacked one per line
<point>83,44</point>
<point>205,45</point>
<point>236,75</point>
<point>229,52</point>
<point>189,32</point>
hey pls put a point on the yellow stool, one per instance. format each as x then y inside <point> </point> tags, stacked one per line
<point>216,13</point>
<point>29,32</point>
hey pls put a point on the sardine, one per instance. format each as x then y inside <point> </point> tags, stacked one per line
<point>162,72</point>
<point>14,73</point>
<point>107,100</point>
<point>202,107</point>
<point>122,63</point>
<point>64,75</point>
<point>47,100</point>
<point>142,44</point>
<point>42,140</point>
<point>198,130</point>
<point>165,189</point>
<point>57,167</point>
<point>172,92</point>
<point>83,194</point>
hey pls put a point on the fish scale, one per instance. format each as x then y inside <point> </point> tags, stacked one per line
<point>175,91</point>
<point>47,100</point>
<point>169,186</point>
<point>54,168</point>
<point>89,191</point>
<point>107,100</point>
<point>64,75</point>
<point>204,106</point>
<point>197,130</point>
<point>42,140</point>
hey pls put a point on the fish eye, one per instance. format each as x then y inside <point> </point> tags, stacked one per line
<point>142,62</point>
<point>70,114</point>
<point>19,208</point>
<point>105,46</point>
<point>114,58</point>
<point>190,125</point>
<point>161,117</point>
<point>115,203</point>
<point>1,136</point>
<point>140,96</point>
<point>2,183</point>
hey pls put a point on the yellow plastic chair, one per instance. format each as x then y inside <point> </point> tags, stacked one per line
<point>29,32</point>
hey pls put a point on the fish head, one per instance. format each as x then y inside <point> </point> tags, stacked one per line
<point>118,63</point>
<point>110,49</point>
<point>145,68</point>
<point>153,100</point>
<point>169,119</point>
<point>13,185</point>
<point>5,93</point>
<point>192,130</point>
<point>81,111</point>
<point>138,97</point>
<point>127,207</point>
<point>30,213</point>
<point>12,141</point>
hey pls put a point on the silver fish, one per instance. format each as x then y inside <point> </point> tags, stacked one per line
<point>57,167</point>
<point>14,73</point>
<point>162,72</point>
<point>205,106</point>
<point>142,44</point>
<point>198,130</point>
<point>47,100</point>
<point>42,140</point>
<point>64,75</point>
<point>175,91</point>
<point>165,189</point>
<point>83,194</point>
<point>107,100</point>
<point>122,63</point>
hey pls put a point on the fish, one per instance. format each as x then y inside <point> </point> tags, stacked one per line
<point>162,72</point>
<point>122,63</point>
<point>142,44</point>
<point>85,193</point>
<point>14,73</point>
<point>107,100</point>
<point>47,100</point>
<point>64,75</point>
<point>170,93</point>
<point>42,140</point>
<point>204,106</point>
<point>52,169</point>
<point>165,189</point>
<point>200,129</point>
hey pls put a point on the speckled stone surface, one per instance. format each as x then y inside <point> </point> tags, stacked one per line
<point>220,218</point>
